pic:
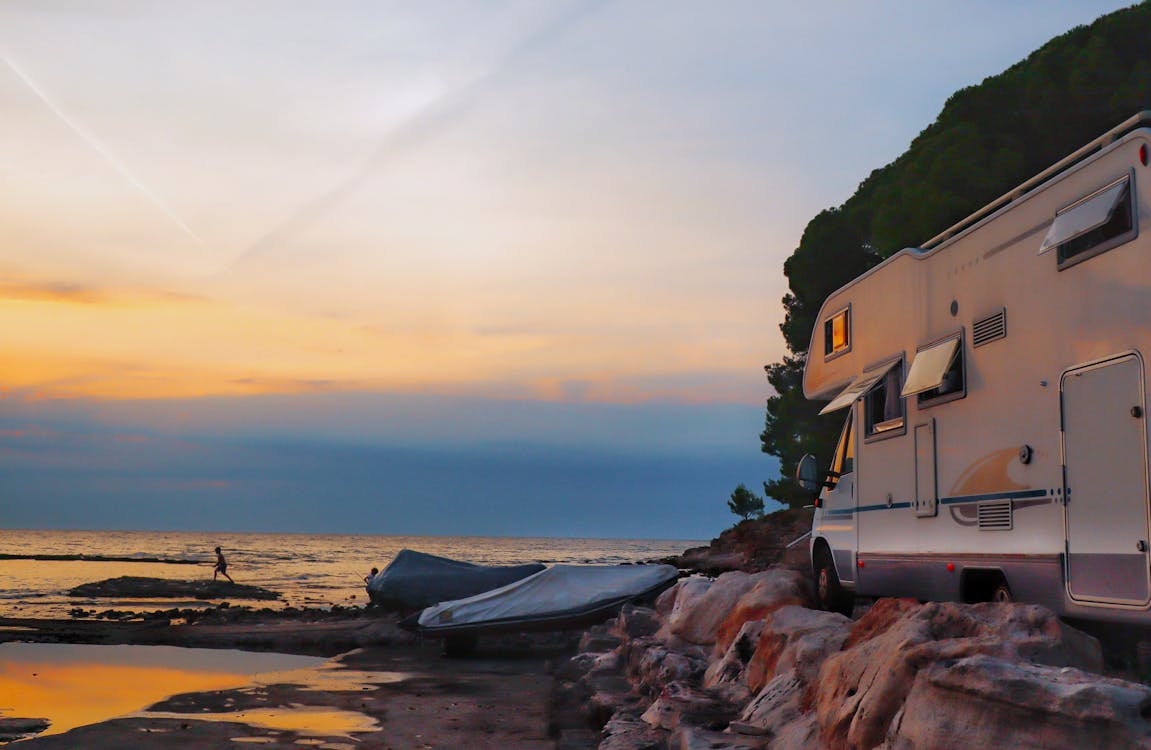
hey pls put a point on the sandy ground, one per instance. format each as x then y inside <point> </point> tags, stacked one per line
<point>399,696</point>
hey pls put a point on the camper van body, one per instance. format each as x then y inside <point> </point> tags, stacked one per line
<point>1021,471</point>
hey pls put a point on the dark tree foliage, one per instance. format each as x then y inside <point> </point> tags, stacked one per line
<point>987,140</point>
<point>745,503</point>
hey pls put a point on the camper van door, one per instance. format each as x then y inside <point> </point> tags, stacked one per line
<point>1105,454</point>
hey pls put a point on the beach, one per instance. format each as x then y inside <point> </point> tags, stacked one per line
<point>368,684</point>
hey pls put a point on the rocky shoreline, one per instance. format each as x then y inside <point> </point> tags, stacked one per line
<point>732,656</point>
<point>740,662</point>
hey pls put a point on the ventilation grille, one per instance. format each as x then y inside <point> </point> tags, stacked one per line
<point>990,328</point>
<point>996,515</point>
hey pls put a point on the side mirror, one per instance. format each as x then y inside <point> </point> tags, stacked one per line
<point>807,475</point>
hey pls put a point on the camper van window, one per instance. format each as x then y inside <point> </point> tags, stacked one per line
<point>837,333</point>
<point>1096,224</point>
<point>883,405</point>
<point>953,385</point>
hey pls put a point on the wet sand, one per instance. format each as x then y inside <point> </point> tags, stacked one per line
<point>399,695</point>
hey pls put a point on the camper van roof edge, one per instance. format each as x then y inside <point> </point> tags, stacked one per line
<point>1132,123</point>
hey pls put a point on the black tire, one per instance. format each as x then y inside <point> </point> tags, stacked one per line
<point>1001,594</point>
<point>830,595</point>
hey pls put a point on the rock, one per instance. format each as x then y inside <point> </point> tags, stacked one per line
<point>678,703</point>
<point>629,733</point>
<point>751,545</point>
<point>981,701</point>
<point>609,695</point>
<point>726,674</point>
<point>698,618</point>
<point>694,738</point>
<point>775,588</point>
<point>635,622</point>
<point>666,601</point>
<point>860,689</point>
<point>796,638</point>
<point>712,562</point>
<point>597,639</point>
<point>801,734</point>
<point>12,729</point>
<point>688,591</point>
<point>163,588</point>
<point>881,616</point>
<point>651,664</point>
<point>778,704</point>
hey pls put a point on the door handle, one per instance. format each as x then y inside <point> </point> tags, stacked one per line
<point>1141,545</point>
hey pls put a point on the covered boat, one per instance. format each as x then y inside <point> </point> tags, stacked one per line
<point>415,580</point>
<point>563,596</point>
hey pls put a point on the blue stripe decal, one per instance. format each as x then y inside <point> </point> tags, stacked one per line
<point>956,500</point>
<point>992,496</point>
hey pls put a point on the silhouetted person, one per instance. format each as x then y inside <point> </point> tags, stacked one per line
<point>221,567</point>
<point>368,584</point>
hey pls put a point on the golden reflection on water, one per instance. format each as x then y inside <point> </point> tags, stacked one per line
<point>73,685</point>
<point>312,721</point>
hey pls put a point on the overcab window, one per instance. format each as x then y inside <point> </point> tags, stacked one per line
<point>837,333</point>
<point>1094,224</point>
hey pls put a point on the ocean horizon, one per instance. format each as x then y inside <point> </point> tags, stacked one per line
<point>309,570</point>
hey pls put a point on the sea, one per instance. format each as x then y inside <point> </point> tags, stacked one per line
<point>309,570</point>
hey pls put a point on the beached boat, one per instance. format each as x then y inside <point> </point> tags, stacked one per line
<point>561,597</point>
<point>415,580</point>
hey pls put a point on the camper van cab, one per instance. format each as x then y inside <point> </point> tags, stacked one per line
<point>994,394</point>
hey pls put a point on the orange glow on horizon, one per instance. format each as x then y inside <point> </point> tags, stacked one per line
<point>67,341</point>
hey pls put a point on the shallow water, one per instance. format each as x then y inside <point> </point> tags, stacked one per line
<point>73,685</point>
<point>310,570</point>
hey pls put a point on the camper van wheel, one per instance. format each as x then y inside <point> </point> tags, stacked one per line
<point>1002,594</point>
<point>829,593</point>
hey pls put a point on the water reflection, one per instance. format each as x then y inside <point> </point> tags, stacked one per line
<point>73,685</point>
<point>310,721</point>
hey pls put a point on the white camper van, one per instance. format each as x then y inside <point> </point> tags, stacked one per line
<point>994,386</point>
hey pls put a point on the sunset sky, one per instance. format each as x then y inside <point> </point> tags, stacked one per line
<point>351,259</point>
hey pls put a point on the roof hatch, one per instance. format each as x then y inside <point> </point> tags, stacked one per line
<point>1090,213</point>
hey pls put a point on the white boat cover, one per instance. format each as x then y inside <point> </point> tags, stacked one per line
<point>415,580</point>
<point>559,593</point>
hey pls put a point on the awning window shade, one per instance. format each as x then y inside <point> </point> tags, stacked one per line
<point>858,388</point>
<point>1077,220</point>
<point>929,367</point>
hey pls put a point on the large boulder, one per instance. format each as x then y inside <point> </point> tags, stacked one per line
<point>682,597</point>
<point>860,690</point>
<point>980,701</point>
<point>698,618</point>
<point>796,638</point>
<point>791,649</point>
<point>774,588</point>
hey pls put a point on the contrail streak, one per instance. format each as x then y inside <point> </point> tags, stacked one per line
<point>89,138</point>
<point>419,128</point>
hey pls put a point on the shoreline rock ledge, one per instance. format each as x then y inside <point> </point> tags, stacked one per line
<point>166,588</point>
<point>741,662</point>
